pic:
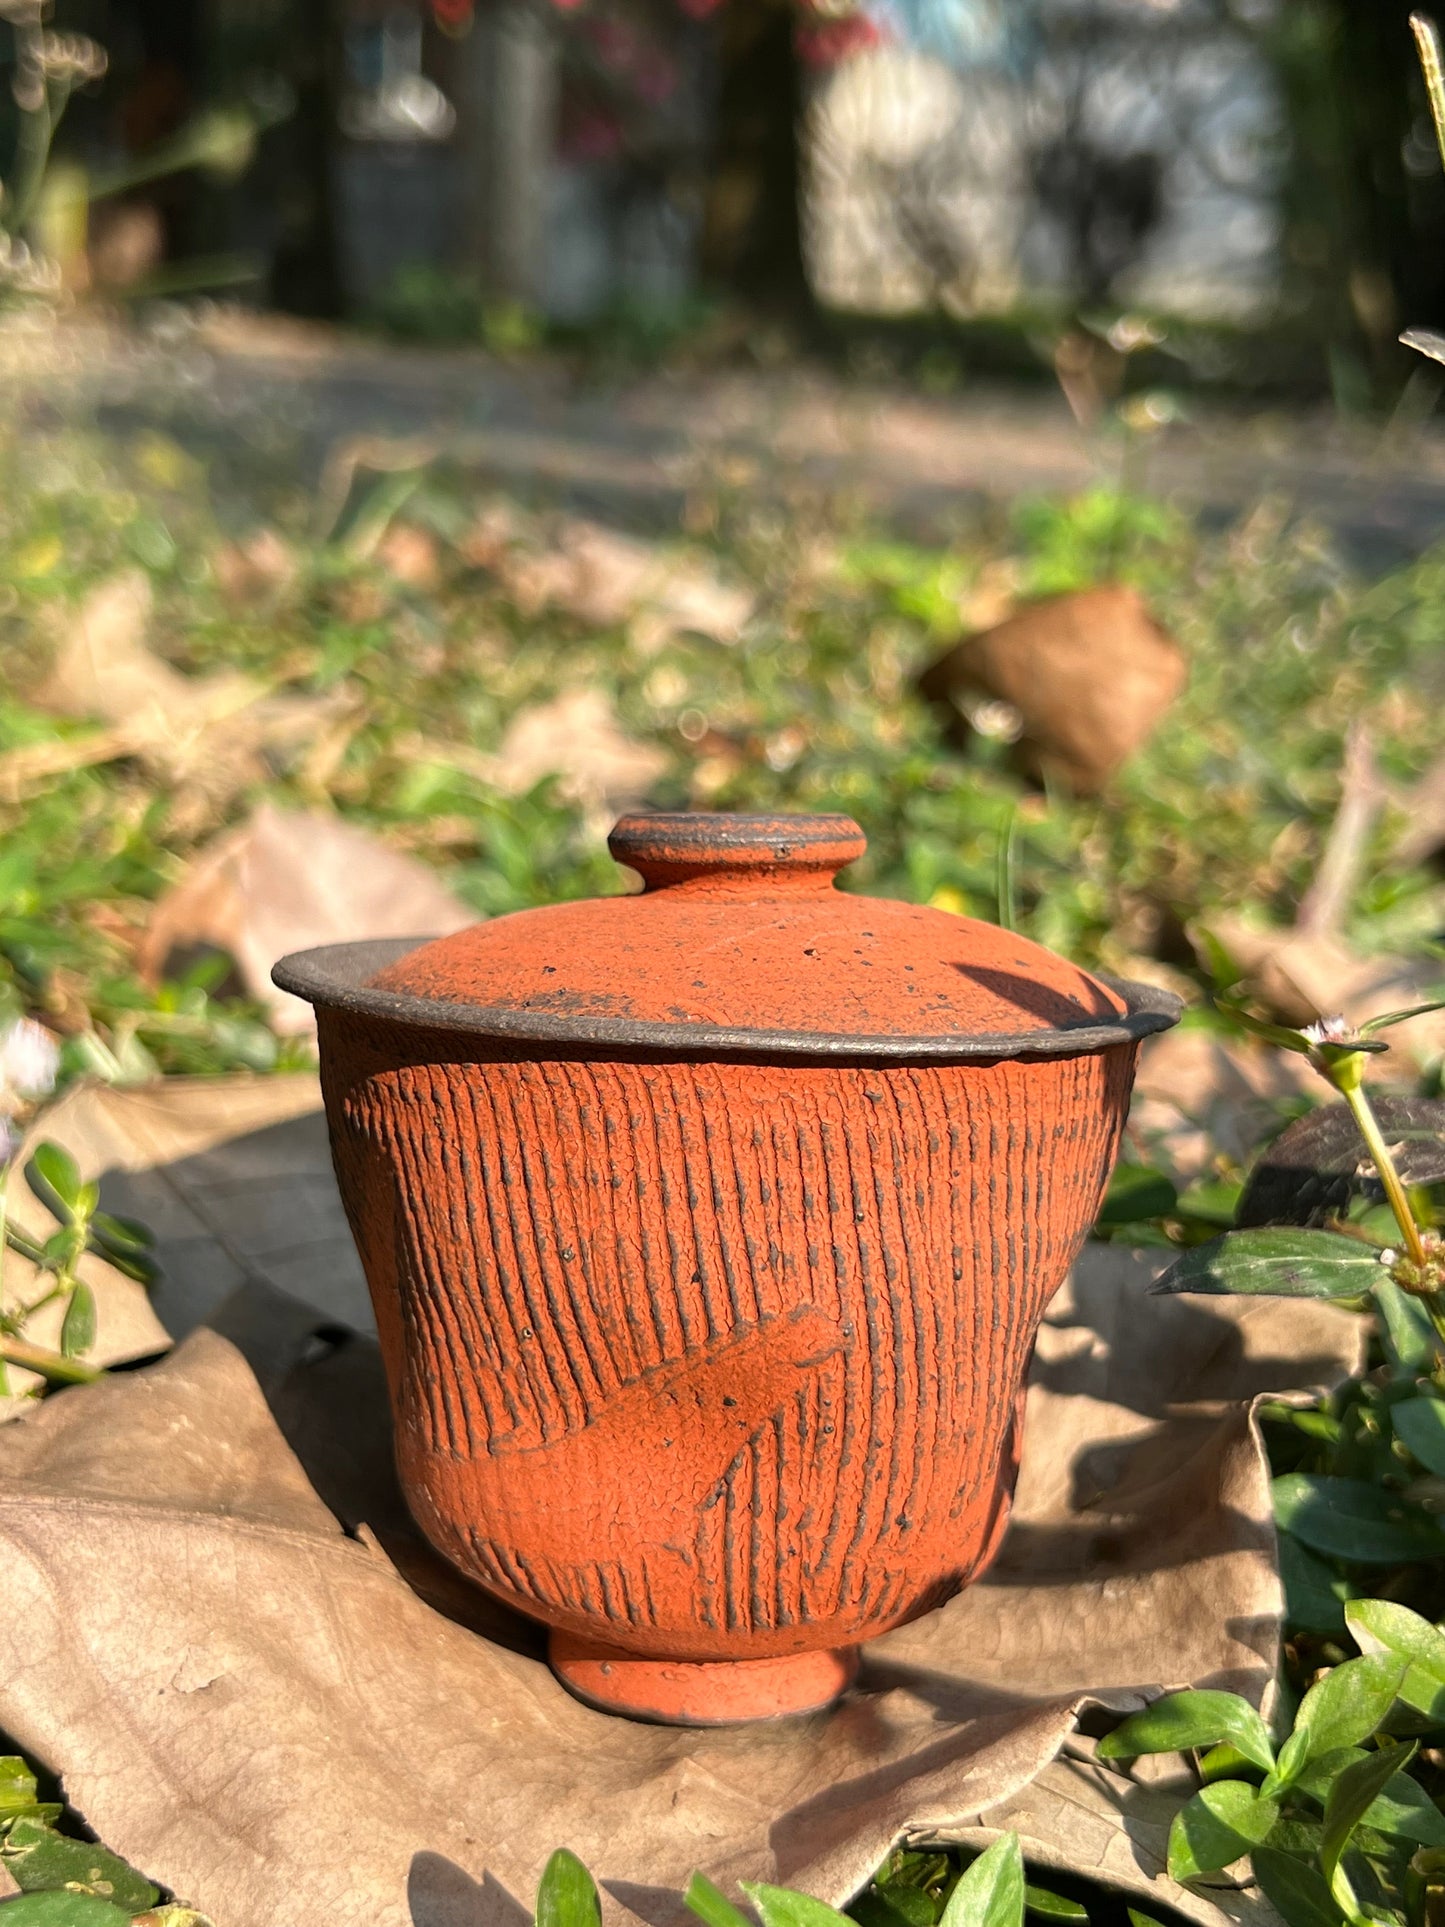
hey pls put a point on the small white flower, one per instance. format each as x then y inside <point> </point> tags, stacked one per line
<point>29,1062</point>
<point>1330,1030</point>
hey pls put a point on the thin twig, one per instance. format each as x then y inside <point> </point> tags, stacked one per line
<point>1324,905</point>
<point>52,1365</point>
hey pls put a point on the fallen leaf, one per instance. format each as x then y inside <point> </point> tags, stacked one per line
<point>409,555</point>
<point>607,579</point>
<point>104,668</point>
<point>250,571</point>
<point>577,737</point>
<point>285,880</point>
<point>208,737</point>
<point>1088,676</point>
<point>211,1557</point>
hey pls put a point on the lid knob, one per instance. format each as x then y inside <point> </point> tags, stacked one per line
<point>750,852</point>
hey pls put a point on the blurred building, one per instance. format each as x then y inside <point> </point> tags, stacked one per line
<point>1129,150</point>
<point>422,157</point>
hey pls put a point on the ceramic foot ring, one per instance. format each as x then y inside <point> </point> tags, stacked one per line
<point>708,1692</point>
<point>709,1231</point>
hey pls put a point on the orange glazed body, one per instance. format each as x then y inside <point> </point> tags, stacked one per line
<point>712,1362</point>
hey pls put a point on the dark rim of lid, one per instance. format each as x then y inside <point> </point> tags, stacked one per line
<point>338,977</point>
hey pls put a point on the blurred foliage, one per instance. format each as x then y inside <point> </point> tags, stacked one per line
<point>813,708</point>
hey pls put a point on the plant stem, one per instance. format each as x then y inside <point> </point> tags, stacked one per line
<point>1353,1093</point>
<point>35,126</point>
<point>53,1365</point>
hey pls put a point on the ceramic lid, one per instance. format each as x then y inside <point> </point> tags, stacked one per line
<point>740,941</point>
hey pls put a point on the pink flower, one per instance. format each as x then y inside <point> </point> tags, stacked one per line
<point>828,42</point>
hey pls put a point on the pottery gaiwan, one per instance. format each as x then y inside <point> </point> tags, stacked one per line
<point>709,1231</point>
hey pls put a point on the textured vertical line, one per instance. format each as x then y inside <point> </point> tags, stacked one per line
<point>706,1183</point>
<point>594,1179</point>
<point>552,1145</point>
<point>537,1236</point>
<point>683,1312</point>
<point>538,1363</point>
<point>438,1389</point>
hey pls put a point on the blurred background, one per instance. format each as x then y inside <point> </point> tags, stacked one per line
<point>940,180</point>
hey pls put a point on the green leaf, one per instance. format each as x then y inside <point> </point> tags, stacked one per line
<point>1379,1625</point>
<point>1223,1762</point>
<point>60,1250</point>
<point>1292,1758</point>
<point>710,1904</point>
<point>63,1910</point>
<point>1314,1593</point>
<point>1275,1261</point>
<point>1350,1799</point>
<point>1297,1891</point>
<point>1350,1519</point>
<point>1293,1833</point>
<point>1135,1192</point>
<point>1324,1769</point>
<point>1272,1033</point>
<point>1141,1920</point>
<point>785,1907</point>
<point>17,1786</point>
<point>1180,1721</point>
<point>1406,1811</point>
<point>1406,1332</point>
<point>990,1892</point>
<point>1420,1424</point>
<point>138,1265</point>
<point>54,1176</point>
<point>895,1906</point>
<point>567,1893</point>
<point>39,1859</point>
<point>77,1330</point>
<point>1052,1906</point>
<point>121,1234</point>
<point>1350,1703</point>
<point>1393,1017</point>
<point>125,1244</point>
<point>1220,1825</point>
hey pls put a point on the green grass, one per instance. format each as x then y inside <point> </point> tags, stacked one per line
<point>813,710</point>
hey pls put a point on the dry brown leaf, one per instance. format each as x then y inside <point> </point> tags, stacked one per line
<point>577,737</point>
<point>104,668</point>
<point>261,566</point>
<point>607,579</point>
<point>285,880</point>
<point>208,736</point>
<point>1088,674</point>
<point>261,1710</point>
<point>410,555</point>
